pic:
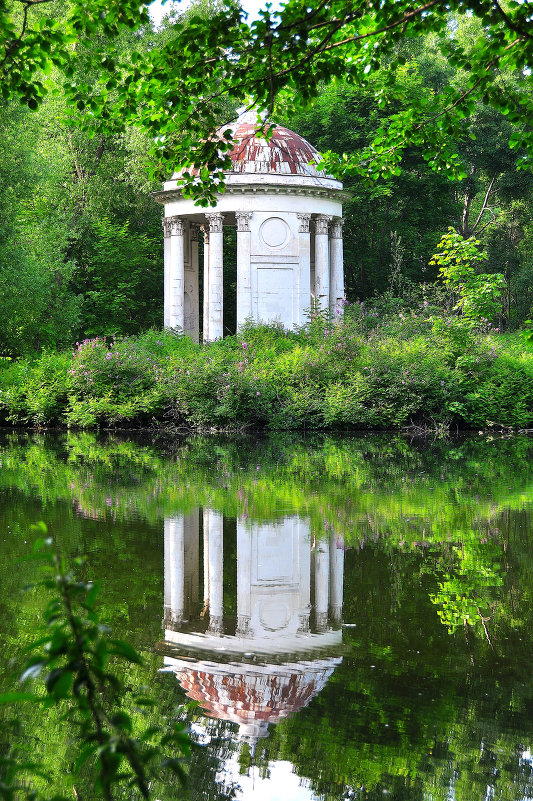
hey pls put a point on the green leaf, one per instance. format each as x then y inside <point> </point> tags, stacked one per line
<point>86,752</point>
<point>126,651</point>
<point>59,682</point>
<point>176,767</point>
<point>15,698</point>
<point>33,669</point>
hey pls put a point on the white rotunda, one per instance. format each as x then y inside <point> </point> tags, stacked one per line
<point>288,215</point>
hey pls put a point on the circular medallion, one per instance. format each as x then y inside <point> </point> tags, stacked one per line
<point>274,232</point>
<point>274,614</point>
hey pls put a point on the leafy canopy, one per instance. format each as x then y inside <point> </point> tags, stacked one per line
<point>176,91</point>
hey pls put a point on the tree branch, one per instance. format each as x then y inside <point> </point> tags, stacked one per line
<point>509,22</point>
<point>484,205</point>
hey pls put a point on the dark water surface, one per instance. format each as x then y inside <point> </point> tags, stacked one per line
<point>353,617</point>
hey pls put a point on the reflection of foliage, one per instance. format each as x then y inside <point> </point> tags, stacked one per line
<point>447,499</point>
<point>73,650</point>
<point>411,710</point>
<point>461,595</point>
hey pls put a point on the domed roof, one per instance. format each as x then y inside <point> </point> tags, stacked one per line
<point>285,153</point>
<point>281,163</point>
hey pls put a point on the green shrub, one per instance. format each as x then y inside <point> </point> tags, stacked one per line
<point>404,369</point>
<point>35,392</point>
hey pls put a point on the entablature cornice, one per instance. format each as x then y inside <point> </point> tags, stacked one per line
<point>173,195</point>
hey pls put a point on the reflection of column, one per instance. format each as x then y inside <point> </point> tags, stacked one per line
<point>216,263</point>
<point>216,559</point>
<point>206,558</point>
<point>321,584</point>
<point>167,573</point>
<point>191,563</point>
<point>305,575</point>
<point>322,262</point>
<point>174,571</point>
<point>244,287</point>
<point>336,290</point>
<point>167,227</point>
<point>244,578</point>
<point>194,322</point>
<point>336,585</point>
<point>304,275</point>
<point>205,324</point>
<point>175,274</point>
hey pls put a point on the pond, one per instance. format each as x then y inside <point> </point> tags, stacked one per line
<point>334,618</point>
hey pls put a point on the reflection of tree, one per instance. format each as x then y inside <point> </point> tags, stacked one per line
<point>408,714</point>
<point>411,710</point>
<point>465,594</point>
<point>365,490</point>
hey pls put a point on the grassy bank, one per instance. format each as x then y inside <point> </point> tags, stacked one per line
<point>364,373</point>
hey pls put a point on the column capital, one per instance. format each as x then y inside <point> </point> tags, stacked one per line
<point>336,228</point>
<point>215,221</point>
<point>243,220</point>
<point>195,228</point>
<point>216,625</point>
<point>167,226</point>
<point>177,226</point>
<point>321,622</point>
<point>305,219</point>
<point>322,222</point>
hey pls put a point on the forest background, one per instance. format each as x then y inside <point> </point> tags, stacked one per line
<point>81,241</point>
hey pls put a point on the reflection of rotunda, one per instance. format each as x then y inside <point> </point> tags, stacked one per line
<point>281,648</point>
<point>288,215</point>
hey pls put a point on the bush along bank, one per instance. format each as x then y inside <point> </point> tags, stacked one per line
<point>359,373</point>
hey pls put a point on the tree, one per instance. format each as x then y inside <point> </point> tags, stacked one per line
<point>479,294</point>
<point>175,92</point>
<point>392,224</point>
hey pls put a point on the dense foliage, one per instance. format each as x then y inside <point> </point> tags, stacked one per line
<point>73,651</point>
<point>174,91</point>
<point>364,373</point>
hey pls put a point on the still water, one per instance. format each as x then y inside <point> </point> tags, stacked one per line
<point>352,618</point>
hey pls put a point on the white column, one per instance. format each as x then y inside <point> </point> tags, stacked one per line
<point>216,562</point>
<point>244,578</point>
<point>174,288</point>
<point>195,291</point>
<point>304,274</point>
<point>321,584</point>
<point>167,226</point>
<point>205,331</point>
<point>336,579</point>
<point>322,262</point>
<point>216,264</point>
<point>174,570</point>
<point>336,290</point>
<point>244,285</point>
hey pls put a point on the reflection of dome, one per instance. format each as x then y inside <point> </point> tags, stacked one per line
<point>252,695</point>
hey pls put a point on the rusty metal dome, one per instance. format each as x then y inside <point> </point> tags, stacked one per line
<point>284,153</point>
